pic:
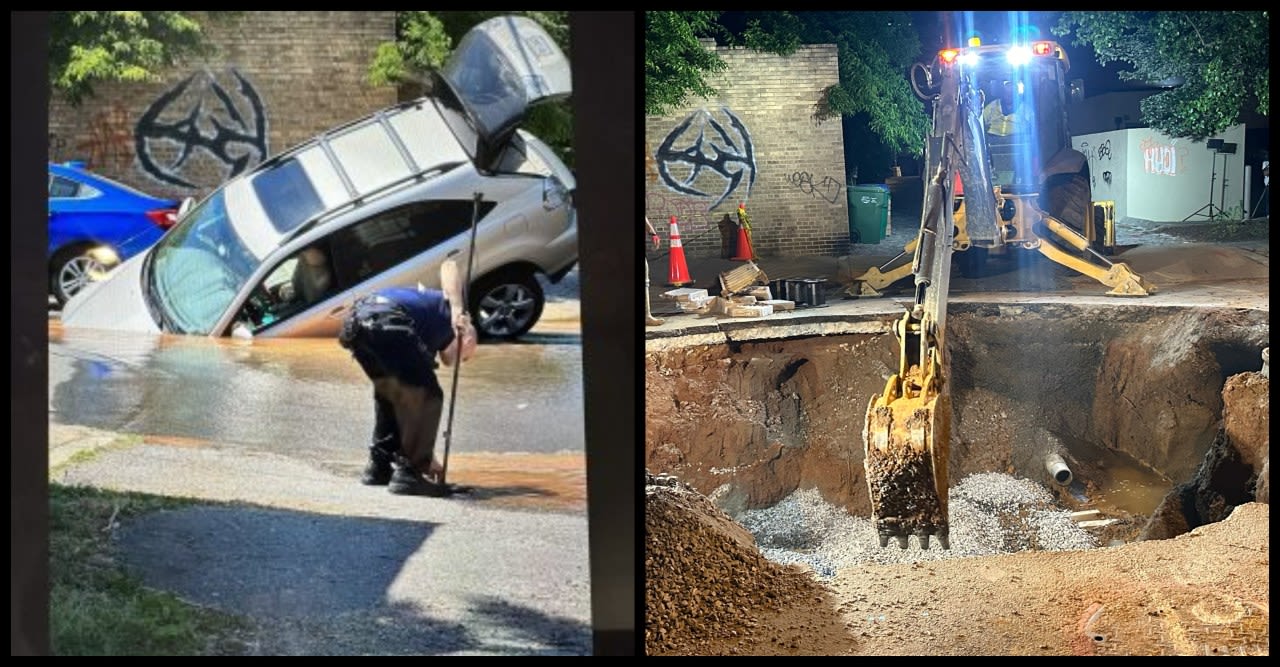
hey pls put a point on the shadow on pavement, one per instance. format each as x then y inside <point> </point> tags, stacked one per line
<point>535,626</point>
<point>319,584</point>
<point>270,563</point>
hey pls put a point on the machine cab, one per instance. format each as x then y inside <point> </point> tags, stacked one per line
<point>1023,89</point>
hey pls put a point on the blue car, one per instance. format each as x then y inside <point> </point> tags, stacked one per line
<point>88,212</point>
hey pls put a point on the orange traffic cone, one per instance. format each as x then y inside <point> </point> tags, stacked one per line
<point>745,252</point>
<point>679,269</point>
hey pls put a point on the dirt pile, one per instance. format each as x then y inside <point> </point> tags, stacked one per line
<point>709,591</point>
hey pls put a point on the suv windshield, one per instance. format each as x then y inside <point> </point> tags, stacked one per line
<point>197,269</point>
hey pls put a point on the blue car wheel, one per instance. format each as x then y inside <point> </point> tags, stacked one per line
<point>71,270</point>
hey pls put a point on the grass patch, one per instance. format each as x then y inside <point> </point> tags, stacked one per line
<point>124,441</point>
<point>96,608</point>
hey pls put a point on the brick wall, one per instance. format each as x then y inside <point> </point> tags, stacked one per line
<point>762,124</point>
<point>277,79</point>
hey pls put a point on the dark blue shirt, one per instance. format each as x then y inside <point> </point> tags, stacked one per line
<point>430,312</point>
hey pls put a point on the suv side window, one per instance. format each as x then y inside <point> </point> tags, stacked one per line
<point>367,248</point>
<point>299,282</point>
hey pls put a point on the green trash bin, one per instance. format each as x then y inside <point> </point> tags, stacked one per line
<point>868,212</point>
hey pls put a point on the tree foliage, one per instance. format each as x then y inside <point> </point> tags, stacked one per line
<point>1221,57</point>
<point>424,41</point>
<point>92,47</point>
<point>874,98</point>
<point>676,64</point>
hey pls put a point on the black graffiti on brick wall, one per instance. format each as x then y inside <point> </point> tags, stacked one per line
<point>232,131</point>
<point>730,155</point>
<point>828,189</point>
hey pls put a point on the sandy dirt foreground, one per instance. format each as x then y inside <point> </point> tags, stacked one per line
<point>709,592</point>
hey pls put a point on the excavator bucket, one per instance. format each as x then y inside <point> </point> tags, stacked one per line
<point>906,467</point>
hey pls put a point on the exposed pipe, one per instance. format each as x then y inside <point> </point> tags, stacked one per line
<point>1058,468</point>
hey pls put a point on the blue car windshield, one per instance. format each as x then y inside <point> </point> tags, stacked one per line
<point>198,268</point>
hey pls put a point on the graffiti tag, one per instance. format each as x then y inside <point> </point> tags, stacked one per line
<point>829,189</point>
<point>234,134</point>
<point>110,142</point>
<point>733,159</point>
<point>1159,159</point>
<point>1162,160</point>
<point>690,214</point>
<point>1094,156</point>
<point>57,144</point>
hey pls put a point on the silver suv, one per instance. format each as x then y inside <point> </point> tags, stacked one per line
<point>284,250</point>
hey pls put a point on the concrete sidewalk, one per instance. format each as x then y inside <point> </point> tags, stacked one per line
<point>1186,274</point>
<point>326,566</point>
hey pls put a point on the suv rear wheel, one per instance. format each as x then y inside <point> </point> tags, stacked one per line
<point>506,305</point>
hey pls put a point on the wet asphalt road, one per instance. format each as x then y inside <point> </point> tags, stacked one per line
<point>285,396</point>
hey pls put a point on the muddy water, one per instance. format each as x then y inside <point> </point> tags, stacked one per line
<point>1120,484</point>
<point>518,421</point>
<point>285,394</point>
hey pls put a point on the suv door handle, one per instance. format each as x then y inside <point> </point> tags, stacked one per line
<point>336,311</point>
<point>454,253</point>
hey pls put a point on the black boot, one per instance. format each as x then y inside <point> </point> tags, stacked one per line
<point>406,481</point>
<point>377,472</point>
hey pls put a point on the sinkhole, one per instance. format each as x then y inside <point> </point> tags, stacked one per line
<point>1068,420</point>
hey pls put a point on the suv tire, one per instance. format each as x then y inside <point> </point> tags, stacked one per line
<point>505,305</point>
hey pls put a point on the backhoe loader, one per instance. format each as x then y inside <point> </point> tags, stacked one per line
<point>998,179</point>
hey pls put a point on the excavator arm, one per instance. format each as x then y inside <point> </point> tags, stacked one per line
<point>908,425</point>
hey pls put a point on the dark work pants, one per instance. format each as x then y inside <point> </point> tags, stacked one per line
<point>408,400</point>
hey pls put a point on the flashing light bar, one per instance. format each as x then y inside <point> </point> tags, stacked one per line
<point>1016,55</point>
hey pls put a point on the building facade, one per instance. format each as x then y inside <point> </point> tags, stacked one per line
<point>274,80</point>
<point>760,142</point>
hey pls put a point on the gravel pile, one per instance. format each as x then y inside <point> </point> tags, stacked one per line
<point>990,513</point>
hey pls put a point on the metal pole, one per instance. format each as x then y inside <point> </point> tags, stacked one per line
<point>1222,208</point>
<point>1213,179</point>
<point>457,333</point>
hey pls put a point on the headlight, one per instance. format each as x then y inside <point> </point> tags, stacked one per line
<point>106,258</point>
<point>1018,55</point>
<point>554,193</point>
